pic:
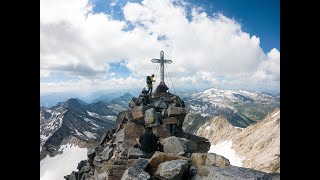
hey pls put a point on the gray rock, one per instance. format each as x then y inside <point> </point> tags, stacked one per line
<point>104,137</point>
<point>191,145</point>
<point>162,130</point>
<point>107,153</point>
<point>72,176</point>
<point>175,145</point>
<point>157,122</point>
<point>160,104</point>
<point>120,162</point>
<point>209,159</point>
<point>132,103</point>
<point>97,161</point>
<point>135,153</point>
<point>121,119</point>
<point>177,112</point>
<point>233,172</point>
<point>151,116</point>
<point>170,120</point>
<point>131,132</point>
<point>216,160</point>
<point>172,169</point>
<point>138,114</point>
<point>136,171</point>
<point>91,153</point>
<point>165,98</point>
<point>120,136</point>
<point>103,176</point>
<point>192,171</point>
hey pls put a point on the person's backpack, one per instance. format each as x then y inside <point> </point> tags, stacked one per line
<point>149,80</point>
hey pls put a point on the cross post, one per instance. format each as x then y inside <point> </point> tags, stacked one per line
<point>162,61</point>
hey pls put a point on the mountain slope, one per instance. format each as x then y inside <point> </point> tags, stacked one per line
<point>69,119</point>
<point>240,107</point>
<point>258,144</point>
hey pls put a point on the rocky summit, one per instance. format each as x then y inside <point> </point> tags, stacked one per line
<point>184,155</point>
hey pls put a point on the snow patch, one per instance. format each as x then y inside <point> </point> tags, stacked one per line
<point>225,149</point>
<point>208,127</point>
<point>54,168</point>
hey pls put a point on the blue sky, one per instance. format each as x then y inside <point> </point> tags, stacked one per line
<point>101,45</point>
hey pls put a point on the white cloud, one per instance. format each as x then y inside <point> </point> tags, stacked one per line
<point>79,43</point>
<point>90,85</point>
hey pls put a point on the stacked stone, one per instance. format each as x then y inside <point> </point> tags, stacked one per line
<point>184,155</point>
<point>164,112</point>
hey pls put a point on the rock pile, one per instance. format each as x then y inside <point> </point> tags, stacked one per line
<point>184,155</point>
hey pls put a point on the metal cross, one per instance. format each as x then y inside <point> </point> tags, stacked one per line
<point>161,61</point>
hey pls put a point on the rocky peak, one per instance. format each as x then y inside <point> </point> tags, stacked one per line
<point>182,156</point>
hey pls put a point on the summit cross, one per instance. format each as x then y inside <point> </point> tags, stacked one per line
<point>162,61</point>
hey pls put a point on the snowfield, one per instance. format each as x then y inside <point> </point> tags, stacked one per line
<point>55,168</point>
<point>225,149</point>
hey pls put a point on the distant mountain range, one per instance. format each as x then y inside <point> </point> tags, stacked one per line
<point>240,107</point>
<point>49,100</point>
<point>73,118</point>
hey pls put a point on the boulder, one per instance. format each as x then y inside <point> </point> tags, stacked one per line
<point>174,169</point>
<point>128,115</point>
<point>72,176</point>
<point>173,144</point>
<point>105,137</point>
<point>160,157</point>
<point>121,119</point>
<point>160,104</point>
<point>170,120</point>
<point>120,162</point>
<point>138,114</point>
<point>216,160</point>
<point>162,130</point>
<point>209,159</point>
<point>191,145</point>
<point>120,136</point>
<point>132,103</point>
<point>102,176</point>
<point>176,145</point>
<point>91,153</point>
<point>151,116</point>
<point>131,132</point>
<point>232,172</point>
<point>107,153</point>
<point>198,159</point>
<point>135,153</point>
<point>178,112</point>
<point>165,98</point>
<point>97,162</point>
<point>136,171</point>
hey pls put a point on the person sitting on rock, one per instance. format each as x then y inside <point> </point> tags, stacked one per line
<point>147,141</point>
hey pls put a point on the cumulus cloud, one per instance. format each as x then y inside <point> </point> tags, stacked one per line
<point>78,42</point>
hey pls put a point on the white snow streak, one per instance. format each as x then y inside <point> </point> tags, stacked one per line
<point>225,149</point>
<point>54,168</point>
